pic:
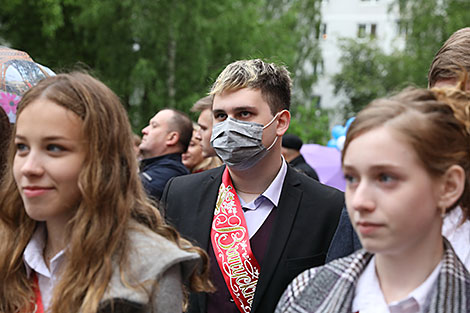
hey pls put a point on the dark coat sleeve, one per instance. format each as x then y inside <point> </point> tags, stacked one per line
<point>155,177</point>
<point>345,240</point>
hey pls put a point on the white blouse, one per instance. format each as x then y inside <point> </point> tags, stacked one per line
<point>368,296</point>
<point>34,260</point>
<point>458,235</point>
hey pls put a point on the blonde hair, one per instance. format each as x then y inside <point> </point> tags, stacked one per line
<point>436,123</point>
<point>273,81</point>
<point>207,164</point>
<point>111,196</point>
<point>203,104</point>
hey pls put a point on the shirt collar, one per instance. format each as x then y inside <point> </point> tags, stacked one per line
<point>33,256</point>
<point>172,156</point>
<point>272,193</point>
<point>369,297</point>
<point>422,292</point>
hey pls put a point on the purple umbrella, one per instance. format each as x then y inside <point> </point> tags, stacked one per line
<point>326,162</point>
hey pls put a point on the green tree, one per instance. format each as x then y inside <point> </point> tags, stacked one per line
<point>428,24</point>
<point>368,73</point>
<point>166,53</point>
<point>310,124</point>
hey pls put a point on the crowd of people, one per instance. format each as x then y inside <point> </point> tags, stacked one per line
<point>224,215</point>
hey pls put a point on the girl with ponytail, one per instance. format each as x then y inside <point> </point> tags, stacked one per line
<point>406,160</point>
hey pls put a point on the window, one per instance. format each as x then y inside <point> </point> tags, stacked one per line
<point>364,30</point>
<point>373,28</point>
<point>361,30</point>
<point>323,31</point>
<point>402,27</point>
<point>318,68</point>
<point>317,101</point>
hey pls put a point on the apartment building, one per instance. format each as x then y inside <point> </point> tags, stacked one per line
<point>351,19</point>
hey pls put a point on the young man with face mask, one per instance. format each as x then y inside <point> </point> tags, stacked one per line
<point>261,222</point>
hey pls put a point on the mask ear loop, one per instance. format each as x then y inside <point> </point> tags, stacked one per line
<point>274,118</point>
<point>267,125</point>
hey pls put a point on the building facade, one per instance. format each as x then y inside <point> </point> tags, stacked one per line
<point>351,19</point>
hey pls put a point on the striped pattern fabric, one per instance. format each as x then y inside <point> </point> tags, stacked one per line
<point>330,288</point>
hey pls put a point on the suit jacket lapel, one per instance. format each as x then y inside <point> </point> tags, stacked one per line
<point>287,210</point>
<point>205,207</point>
<point>205,211</point>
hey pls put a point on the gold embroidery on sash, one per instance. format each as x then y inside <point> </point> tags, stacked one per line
<point>231,246</point>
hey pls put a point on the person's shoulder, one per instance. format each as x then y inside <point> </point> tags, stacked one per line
<point>197,178</point>
<point>311,185</point>
<point>306,289</point>
<point>171,160</point>
<point>148,256</point>
<point>164,169</point>
<point>307,292</point>
<point>153,253</point>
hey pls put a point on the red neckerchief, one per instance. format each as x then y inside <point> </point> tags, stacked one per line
<point>231,244</point>
<point>38,307</point>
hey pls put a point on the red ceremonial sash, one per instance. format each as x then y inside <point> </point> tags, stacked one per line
<point>231,244</point>
<point>38,307</point>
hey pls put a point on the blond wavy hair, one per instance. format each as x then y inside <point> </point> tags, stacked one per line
<point>272,80</point>
<point>436,123</point>
<point>111,196</point>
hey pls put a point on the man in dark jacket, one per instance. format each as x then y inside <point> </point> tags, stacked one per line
<point>261,222</point>
<point>291,145</point>
<point>164,140</point>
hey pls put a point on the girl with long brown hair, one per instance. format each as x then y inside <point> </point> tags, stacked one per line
<point>78,232</point>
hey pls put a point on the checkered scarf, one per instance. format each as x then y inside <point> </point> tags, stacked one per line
<point>330,288</point>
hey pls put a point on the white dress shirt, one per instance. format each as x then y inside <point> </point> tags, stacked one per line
<point>34,260</point>
<point>458,235</point>
<point>259,209</point>
<point>368,296</point>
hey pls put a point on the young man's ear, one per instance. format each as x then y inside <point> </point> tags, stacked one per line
<point>452,186</point>
<point>283,122</point>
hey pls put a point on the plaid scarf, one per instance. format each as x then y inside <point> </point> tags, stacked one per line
<point>330,288</point>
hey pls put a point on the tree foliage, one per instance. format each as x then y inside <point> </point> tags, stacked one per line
<point>428,24</point>
<point>368,73</point>
<point>310,124</point>
<point>165,53</point>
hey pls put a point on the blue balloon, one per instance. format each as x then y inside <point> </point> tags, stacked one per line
<point>338,131</point>
<point>348,122</point>
<point>331,143</point>
<point>340,143</point>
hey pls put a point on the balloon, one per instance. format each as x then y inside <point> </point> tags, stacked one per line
<point>340,142</point>
<point>338,134</point>
<point>348,122</point>
<point>338,131</point>
<point>331,143</point>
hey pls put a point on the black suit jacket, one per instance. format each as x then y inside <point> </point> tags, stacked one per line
<point>305,223</point>
<point>302,166</point>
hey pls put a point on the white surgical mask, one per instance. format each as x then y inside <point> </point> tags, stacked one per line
<point>239,143</point>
